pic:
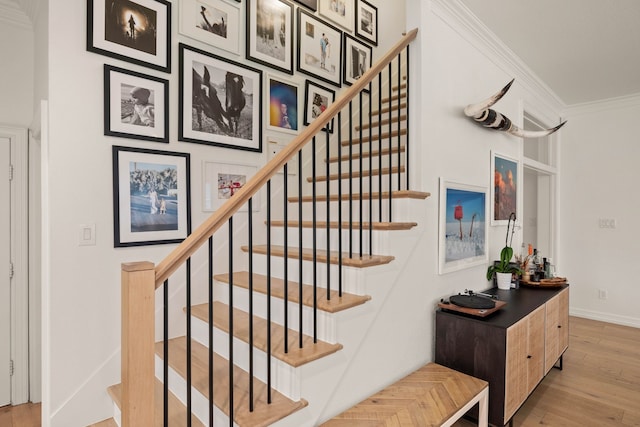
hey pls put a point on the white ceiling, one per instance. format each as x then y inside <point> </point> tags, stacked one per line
<point>584,50</point>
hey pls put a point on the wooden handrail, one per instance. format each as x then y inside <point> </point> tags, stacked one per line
<point>200,235</point>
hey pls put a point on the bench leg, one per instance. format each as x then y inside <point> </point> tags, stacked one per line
<point>483,408</point>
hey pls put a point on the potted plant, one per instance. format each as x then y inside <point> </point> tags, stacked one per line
<point>503,269</point>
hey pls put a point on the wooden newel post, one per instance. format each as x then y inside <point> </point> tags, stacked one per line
<point>138,337</point>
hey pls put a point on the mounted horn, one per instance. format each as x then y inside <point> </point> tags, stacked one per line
<point>491,119</point>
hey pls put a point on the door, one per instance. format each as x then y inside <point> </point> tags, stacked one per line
<point>5,280</point>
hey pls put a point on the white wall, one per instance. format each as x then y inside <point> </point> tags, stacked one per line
<point>599,176</point>
<point>84,281</point>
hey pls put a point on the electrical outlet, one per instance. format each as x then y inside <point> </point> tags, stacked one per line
<point>603,294</point>
<point>607,223</point>
<point>87,235</point>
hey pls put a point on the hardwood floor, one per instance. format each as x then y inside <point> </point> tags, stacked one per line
<point>27,415</point>
<point>598,386</point>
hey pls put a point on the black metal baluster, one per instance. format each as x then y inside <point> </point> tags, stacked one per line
<point>231,414</point>
<point>399,130</point>
<point>370,172</point>
<point>361,178</point>
<point>300,247</point>
<point>390,83</point>
<point>350,179</point>
<point>340,203</point>
<point>210,328</point>
<point>406,154</point>
<point>269,290</point>
<point>250,230</point>
<point>314,241</point>
<point>286,257</point>
<point>165,354</point>
<point>328,214</point>
<point>188,313</point>
<point>380,145</point>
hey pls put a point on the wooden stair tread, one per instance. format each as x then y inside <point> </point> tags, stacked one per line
<point>365,137</point>
<point>357,174</point>
<point>321,256</point>
<point>335,304</point>
<point>263,414</point>
<point>392,108</point>
<point>109,422</point>
<point>427,397</point>
<point>295,357</point>
<point>385,121</point>
<point>177,410</point>
<point>356,156</point>
<point>396,194</point>
<point>386,226</point>
<point>394,97</point>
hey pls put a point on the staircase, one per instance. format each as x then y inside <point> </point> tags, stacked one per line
<point>285,318</point>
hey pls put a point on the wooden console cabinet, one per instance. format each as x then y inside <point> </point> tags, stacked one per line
<point>512,349</point>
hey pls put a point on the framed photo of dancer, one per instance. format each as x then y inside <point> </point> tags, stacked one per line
<point>319,48</point>
<point>222,180</point>
<point>151,196</point>
<point>463,226</point>
<point>136,31</point>
<point>135,105</point>
<point>220,101</point>
<point>367,21</point>
<point>214,22</point>
<point>505,175</point>
<point>270,33</point>
<point>283,105</point>
<point>317,98</point>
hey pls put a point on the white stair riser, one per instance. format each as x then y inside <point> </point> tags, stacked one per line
<point>199,403</point>
<point>284,378</point>
<point>326,328</point>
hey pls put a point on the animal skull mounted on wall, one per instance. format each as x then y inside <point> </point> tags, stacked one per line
<point>492,119</point>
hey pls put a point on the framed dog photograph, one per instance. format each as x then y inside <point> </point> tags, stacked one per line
<point>135,105</point>
<point>283,104</point>
<point>357,59</point>
<point>222,180</point>
<point>270,33</point>
<point>137,31</point>
<point>214,22</point>
<point>220,101</point>
<point>319,48</point>
<point>317,99</point>
<point>151,196</point>
<point>367,21</point>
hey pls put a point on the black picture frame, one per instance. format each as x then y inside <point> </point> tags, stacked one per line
<point>111,33</point>
<point>311,4</point>
<point>317,43</point>
<point>366,25</point>
<point>357,60</point>
<point>265,44</point>
<point>207,82</point>
<point>317,98</point>
<point>151,196</point>
<point>127,114</point>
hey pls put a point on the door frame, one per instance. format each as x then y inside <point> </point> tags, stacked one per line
<point>20,258</point>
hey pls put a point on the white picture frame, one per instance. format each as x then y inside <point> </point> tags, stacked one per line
<point>340,12</point>
<point>214,22</point>
<point>233,176</point>
<point>279,92</point>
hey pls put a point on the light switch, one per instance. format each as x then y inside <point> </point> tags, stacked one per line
<point>87,235</point>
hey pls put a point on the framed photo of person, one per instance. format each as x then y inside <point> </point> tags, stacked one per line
<point>317,99</point>
<point>220,101</point>
<point>270,33</point>
<point>357,59</point>
<point>505,174</point>
<point>222,180</point>
<point>136,31</point>
<point>311,4</point>
<point>367,21</point>
<point>283,105</point>
<point>214,22</point>
<point>463,226</point>
<point>338,11</point>
<point>319,48</point>
<point>151,196</point>
<point>135,105</point>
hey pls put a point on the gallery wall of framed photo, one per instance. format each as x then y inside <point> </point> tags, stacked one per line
<point>236,76</point>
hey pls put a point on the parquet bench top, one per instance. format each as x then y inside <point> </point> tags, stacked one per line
<point>429,396</point>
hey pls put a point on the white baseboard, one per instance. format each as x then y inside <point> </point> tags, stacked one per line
<point>606,317</point>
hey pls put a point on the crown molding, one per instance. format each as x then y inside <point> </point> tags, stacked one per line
<point>621,102</point>
<point>455,14</point>
<point>14,13</point>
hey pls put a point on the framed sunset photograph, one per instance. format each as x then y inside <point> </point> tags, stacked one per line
<point>504,189</point>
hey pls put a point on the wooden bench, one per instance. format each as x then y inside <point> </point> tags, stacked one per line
<point>433,395</point>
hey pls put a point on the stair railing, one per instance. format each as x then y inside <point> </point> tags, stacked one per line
<point>140,280</point>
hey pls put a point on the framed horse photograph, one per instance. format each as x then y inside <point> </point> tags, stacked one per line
<point>220,101</point>
<point>270,33</point>
<point>136,31</point>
